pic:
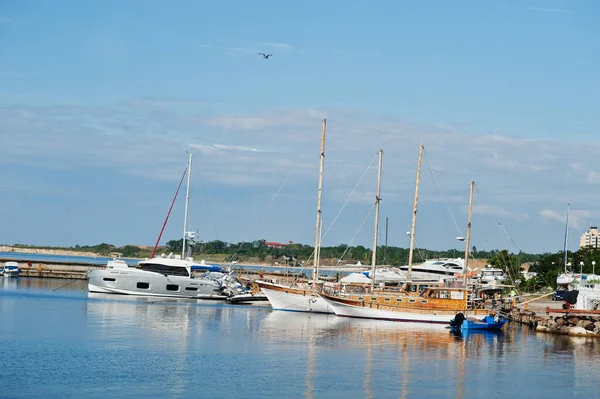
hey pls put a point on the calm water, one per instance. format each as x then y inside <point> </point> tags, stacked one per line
<point>66,343</point>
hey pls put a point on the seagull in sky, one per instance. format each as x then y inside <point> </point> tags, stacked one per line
<point>265,56</point>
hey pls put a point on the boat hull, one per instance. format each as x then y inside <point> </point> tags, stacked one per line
<point>248,298</point>
<point>294,300</point>
<point>11,273</point>
<point>125,282</point>
<point>349,310</point>
<point>487,323</point>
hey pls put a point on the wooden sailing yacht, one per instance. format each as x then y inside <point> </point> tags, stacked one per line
<point>432,305</point>
<point>298,298</point>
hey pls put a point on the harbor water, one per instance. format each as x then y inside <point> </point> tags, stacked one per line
<point>59,341</point>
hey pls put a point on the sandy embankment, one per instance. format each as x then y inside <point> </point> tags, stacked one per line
<point>41,251</point>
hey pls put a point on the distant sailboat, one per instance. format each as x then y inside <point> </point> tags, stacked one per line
<point>567,276</point>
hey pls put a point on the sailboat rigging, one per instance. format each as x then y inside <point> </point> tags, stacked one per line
<point>166,275</point>
<point>377,200</point>
<point>297,298</point>
<point>463,321</point>
<point>432,305</point>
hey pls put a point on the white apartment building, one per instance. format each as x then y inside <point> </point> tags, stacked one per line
<point>590,239</point>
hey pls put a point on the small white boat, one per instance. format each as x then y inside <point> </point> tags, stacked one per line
<point>492,276</point>
<point>11,269</point>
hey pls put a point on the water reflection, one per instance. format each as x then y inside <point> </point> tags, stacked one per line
<point>54,284</point>
<point>9,283</point>
<point>167,320</point>
<point>151,347</point>
<point>394,350</point>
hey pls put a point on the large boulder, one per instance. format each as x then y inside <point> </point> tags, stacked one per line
<point>578,331</point>
<point>587,324</point>
<point>573,320</point>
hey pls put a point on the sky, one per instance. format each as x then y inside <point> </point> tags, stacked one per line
<point>101,102</point>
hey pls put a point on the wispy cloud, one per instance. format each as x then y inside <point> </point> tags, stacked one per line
<point>237,148</point>
<point>499,211</point>
<point>276,45</point>
<point>578,218</point>
<point>541,9</point>
<point>5,20</point>
<point>148,138</point>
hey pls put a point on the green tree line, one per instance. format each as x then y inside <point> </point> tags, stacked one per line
<point>333,254</point>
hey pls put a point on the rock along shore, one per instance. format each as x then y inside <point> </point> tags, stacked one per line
<point>580,325</point>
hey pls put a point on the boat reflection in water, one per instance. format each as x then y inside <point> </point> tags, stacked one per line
<point>396,354</point>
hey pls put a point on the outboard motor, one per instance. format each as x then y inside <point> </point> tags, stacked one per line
<point>457,320</point>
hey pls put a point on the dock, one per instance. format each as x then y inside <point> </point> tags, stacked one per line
<point>48,269</point>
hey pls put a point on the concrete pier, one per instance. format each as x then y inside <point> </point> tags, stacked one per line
<point>54,269</point>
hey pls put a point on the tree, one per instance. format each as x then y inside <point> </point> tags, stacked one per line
<point>175,246</point>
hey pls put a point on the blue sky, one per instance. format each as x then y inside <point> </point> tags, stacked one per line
<point>100,101</point>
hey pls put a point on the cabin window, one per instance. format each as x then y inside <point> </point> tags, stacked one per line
<point>444,295</point>
<point>412,300</point>
<point>373,299</point>
<point>172,287</point>
<point>457,295</point>
<point>191,288</point>
<point>360,298</point>
<point>165,269</point>
<point>143,286</point>
<point>424,301</point>
<point>109,279</point>
<point>398,299</point>
<point>387,299</point>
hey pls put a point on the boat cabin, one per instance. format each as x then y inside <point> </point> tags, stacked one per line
<point>443,293</point>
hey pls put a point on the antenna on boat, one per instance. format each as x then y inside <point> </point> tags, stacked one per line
<point>377,199</point>
<point>414,217</point>
<point>468,238</point>
<point>319,197</point>
<point>187,202</point>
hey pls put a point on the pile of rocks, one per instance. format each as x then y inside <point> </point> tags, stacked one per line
<point>571,325</point>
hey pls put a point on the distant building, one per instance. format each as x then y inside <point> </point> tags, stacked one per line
<point>271,244</point>
<point>590,239</point>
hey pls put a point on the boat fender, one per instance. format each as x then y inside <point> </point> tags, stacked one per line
<point>496,318</point>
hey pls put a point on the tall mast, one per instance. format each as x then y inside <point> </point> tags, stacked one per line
<point>319,197</point>
<point>414,217</point>
<point>377,199</point>
<point>468,238</point>
<point>187,202</point>
<point>386,241</point>
<point>566,238</point>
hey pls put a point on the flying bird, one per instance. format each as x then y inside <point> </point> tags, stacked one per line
<point>265,56</point>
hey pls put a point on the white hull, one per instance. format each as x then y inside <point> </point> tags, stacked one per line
<point>565,279</point>
<point>589,294</point>
<point>345,310</point>
<point>11,273</point>
<point>297,302</point>
<point>588,299</point>
<point>127,282</point>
